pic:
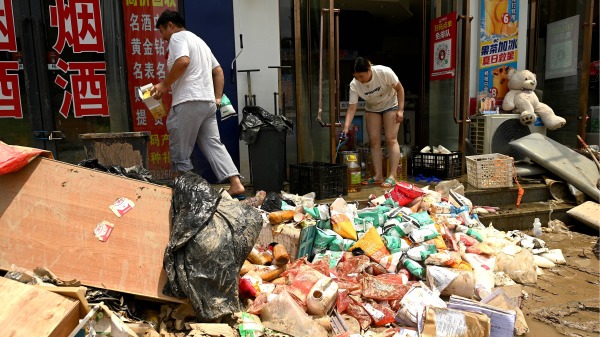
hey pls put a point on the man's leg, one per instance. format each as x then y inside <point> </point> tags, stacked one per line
<point>215,152</point>
<point>183,125</point>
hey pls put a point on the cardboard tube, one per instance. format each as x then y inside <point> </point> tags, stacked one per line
<point>281,255</point>
<point>558,189</point>
<point>281,216</point>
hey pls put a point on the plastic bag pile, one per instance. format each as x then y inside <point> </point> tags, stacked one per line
<point>385,269</point>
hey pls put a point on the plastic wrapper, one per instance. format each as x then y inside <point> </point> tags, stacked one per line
<point>342,301</point>
<point>373,246</point>
<point>403,193</point>
<point>384,287</point>
<point>380,314</point>
<point>423,218</point>
<point>352,265</point>
<point>209,242</point>
<point>356,310</point>
<point>444,187</point>
<point>285,315</point>
<point>344,226</point>
<point>255,117</point>
<point>518,264</point>
<point>303,282</point>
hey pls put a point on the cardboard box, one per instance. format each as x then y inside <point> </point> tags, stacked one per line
<point>155,106</point>
<point>297,241</point>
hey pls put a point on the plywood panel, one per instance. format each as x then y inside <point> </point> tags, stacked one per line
<point>29,311</point>
<point>48,212</point>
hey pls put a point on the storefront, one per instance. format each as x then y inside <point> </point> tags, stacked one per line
<point>71,67</point>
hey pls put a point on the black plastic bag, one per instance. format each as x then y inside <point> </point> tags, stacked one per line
<point>134,172</point>
<point>210,239</point>
<point>272,202</point>
<point>255,117</point>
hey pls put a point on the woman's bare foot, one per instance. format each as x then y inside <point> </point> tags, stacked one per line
<point>236,187</point>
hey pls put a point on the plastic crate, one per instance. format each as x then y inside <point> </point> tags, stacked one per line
<point>490,170</point>
<point>326,180</point>
<point>442,166</point>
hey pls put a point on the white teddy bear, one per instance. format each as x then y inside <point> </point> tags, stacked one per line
<point>522,99</point>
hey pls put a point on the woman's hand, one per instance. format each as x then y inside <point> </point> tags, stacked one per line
<point>399,116</point>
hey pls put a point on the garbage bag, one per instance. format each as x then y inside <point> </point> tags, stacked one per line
<point>272,202</point>
<point>255,117</point>
<point>133,172</point>
<point>210,239</point>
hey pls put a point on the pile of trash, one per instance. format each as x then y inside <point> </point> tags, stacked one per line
<point>413,262</point>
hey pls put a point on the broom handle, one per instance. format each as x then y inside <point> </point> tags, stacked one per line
<point>587,148</point>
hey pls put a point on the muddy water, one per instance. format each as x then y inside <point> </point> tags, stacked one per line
<point>566,299</point>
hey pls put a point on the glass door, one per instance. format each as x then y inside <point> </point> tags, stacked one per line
<point>566,65</point>
<point>54,75</point>
<point>442,111</point>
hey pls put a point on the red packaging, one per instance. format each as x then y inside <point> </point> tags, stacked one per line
<point>403,193</point>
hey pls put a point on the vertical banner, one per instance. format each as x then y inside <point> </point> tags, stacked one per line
<point>499,27</point>
<point>79,27</point>
<point>10,94</point>
<point>147,63</point>
<point>561,48</point>
<point>443,46</point>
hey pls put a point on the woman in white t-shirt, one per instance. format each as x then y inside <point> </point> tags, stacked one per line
<point>384,96</point>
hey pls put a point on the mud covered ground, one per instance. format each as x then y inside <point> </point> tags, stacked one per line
<point>566,299</point>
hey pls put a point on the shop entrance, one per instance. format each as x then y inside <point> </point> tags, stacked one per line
<point>53,75</point>
<point>391,33</point>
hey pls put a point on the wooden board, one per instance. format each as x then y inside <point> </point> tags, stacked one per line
<point>77,293</point>
<point>29,311</point>
<point>571,166</point>
<point>588,213</point>
<point>48,212</point>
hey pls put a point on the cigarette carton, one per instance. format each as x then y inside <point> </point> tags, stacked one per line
<point>155,106</point>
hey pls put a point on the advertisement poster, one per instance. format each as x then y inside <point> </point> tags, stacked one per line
<point>561,48</point>
<point>443,46</point>
<point>146,53</point>
<point>498,54</point>
<point>10,96</point>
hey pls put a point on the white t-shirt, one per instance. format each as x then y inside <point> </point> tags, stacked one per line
<point>196,83</point>
<point>379,93</point>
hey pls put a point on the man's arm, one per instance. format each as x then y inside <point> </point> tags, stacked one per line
<point>176,72</point>
<point>218,83</point>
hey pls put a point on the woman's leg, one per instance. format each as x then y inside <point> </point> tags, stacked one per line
<point>391,141</point>
<point>374,122</point>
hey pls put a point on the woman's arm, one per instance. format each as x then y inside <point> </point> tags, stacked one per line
<point>400,92</point>
<point>349,117</point>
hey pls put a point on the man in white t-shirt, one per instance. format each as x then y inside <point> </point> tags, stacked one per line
<point>384,96</point>
<point>197,81</point>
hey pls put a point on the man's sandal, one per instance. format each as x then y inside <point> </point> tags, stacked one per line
<point>388,182</point>
<point>371,181</point>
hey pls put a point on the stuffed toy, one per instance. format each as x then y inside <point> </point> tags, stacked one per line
<point>522,99</point>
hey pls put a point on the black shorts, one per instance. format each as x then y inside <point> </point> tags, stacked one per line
<point>395,108</point>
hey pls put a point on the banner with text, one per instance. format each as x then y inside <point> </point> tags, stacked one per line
<point>499,34</point>
<point>147,63</point>
<point>443,46</point>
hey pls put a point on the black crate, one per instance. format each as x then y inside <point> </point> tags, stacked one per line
<point>442,166</point>
<point>326,180</point>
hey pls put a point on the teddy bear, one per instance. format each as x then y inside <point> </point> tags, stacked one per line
<point>522,99</point>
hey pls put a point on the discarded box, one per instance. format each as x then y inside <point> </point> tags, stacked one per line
<point>155,106</point>
<point>297,241</point>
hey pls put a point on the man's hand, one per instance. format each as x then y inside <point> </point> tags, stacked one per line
<point>159,90</point>
<point>218,101</point>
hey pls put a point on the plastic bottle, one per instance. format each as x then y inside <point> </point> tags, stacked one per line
<point>321,297</point>
<point>354,173</point>
<point>537,228</point>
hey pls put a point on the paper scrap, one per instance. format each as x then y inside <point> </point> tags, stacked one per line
<point>103,230</point>
<point>122,206</point>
